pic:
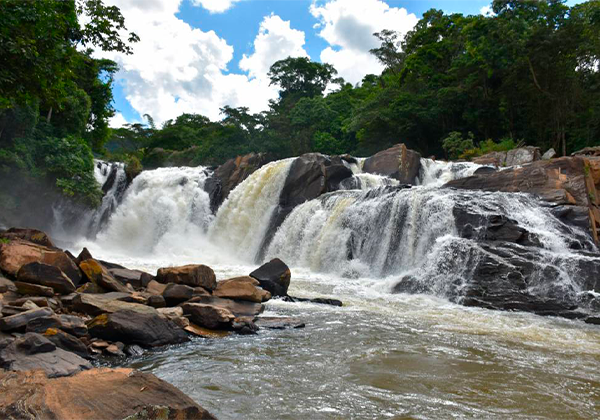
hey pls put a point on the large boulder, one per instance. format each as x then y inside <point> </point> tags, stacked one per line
<point>514,157</point>
<point>242,288</point>
<point>98,274</point>
<point>35,352</point>
<point>17,252</point>
<point>397,162</point>
<point>29,235</point>
<point>19,321</point>
<point>191,275</point>
<point>46,275</point>
<point>96,394</point>
<point>136,278</point>
<point>129,327</point>
<point>176,293</point>
<point>229,175</point>
<point>209,316</point>
<point>274,277</point>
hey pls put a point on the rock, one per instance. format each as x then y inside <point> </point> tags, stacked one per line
<point>239,308</point>
<point>397,162</point>
<point>39,301</point>
<point>175,315</point>
<point>46,275</point>
<point>17,253</point>
<point>94,394</point>
<point>41,324</point>
<point>244,327</point>
<point>229,175</point>
<point>147,330</point>
<point>209,316</point>
<point>6,285</point>
<point>156,288</point>
<point>34,351</point>
<point>133,350</point>
<point>191,275</point>
<point>92,288</point>
<point>114,351</point>
<point>177,293</point>
<point>85,254</point>
<point>242,288</point>
<point>550,153</point>
<point>497,159</point>
<point>73,325</point>
<point>587,151</point>
<point>205,332</point>
<point>19,321</point>
<point>29,235</point>
<point>33,289</point>
<point>98,274</point>
<point>108,303</point>
<point>323,301</point>
<point>274,277</point>
<point>133,277</point>
<point>484,170</point>
<point>522,156</point>
<point>156,301</point>
<point>28,305</point>
<point>66,342</point>
<point>276,323</point>
<point>595,320</point>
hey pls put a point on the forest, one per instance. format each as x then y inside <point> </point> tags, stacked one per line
<point>454,87</point>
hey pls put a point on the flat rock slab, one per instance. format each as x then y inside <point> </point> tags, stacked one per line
<point>275,323</point>
<point>236,307</point>
<point>96,394</point>
<point>18,321</point>
<point>191,275</point>
<point>96,304</point>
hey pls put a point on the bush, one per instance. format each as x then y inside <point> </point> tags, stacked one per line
<point>489,146</point>
<point>455,145</point>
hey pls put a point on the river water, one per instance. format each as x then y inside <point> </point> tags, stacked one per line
<point>381,355</point>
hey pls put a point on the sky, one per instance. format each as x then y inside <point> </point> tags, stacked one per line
<point>197,56</point>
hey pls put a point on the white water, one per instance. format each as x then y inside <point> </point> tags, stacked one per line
<point>436,173</point>
<point>110,201</point>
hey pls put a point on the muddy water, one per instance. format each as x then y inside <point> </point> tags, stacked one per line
<point>389,356</point>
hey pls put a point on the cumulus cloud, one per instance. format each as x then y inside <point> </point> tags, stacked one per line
<point>215,6</point>
<point>348,28</point>
<point>176,68</point>
<point>276,40</point>
<point>117,121</point>
<point>486,11</point>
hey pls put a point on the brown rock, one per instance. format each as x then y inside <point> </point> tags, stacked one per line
<point>73,325</point>
<point>40,301</point>
<point>29,235</point>
<point>242,288</point>
<point>33,289</point>
<point>205,332</point>
<point>133,277</point>
<point>209,316</point>
<point>177,293</point>
<point>397,162</point>
<point>85,254</point>
<point>156,301</point>
<point>66,341</point>
<point>192,275</point>
<point>156,288</point>
<point>41,324</point>
<point>274,276</point>
<point>96,394</point>
<point>98,274</point>
<point>19,321</point>
<point>91,288</point>
<point>46,275</point>
<point>93,305</point>
<point>6,285</point>
<point>239,308</point>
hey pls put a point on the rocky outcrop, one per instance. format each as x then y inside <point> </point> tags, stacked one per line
<point>514,157</point>
<point>274,277</point>
<point>97,394</point>
<point>397,162</point>
<point>229,175</point>
<point>195,275</point>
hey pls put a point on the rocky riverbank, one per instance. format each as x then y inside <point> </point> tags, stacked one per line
<point>61,314</point>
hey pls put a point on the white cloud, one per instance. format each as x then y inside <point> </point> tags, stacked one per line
<point>215,6</point>
<point>176,68</point>
<point>486,11</point>
<point>348,27</point>
<point>117,121</point>
<point>275,41</point>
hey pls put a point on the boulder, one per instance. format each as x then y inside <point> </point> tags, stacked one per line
<point>587,151</point>
<point>497,159</point>
<point>29,235</point>
<point>175,315</point>
<point>93,305</point>
<point>156,301</point>
<point>514,157</point>
<point>92,288</point>
<point>35,352</point>
<point>41,324</point>
<point>550,153</point>
<point>40,301</point>
<point>129,327</point>
<point>239,308</point>
<point>205,332</point>
<point>322,301</point>
<point>397,162</point>
<point>6,285</point>
<point>46,275</point>
<point>177,293</point>
<point>136,278</point>
<point>33,289</point>
<point>73,325</point>
<point>67,342</point>
<point>229,175</point>
<point>242,288</point>
<point>96,394</point>
<point>155,288</point>
<point>209,316</point>
<point>85,254</point>
<point>278,323</point>
<point>98,274</point>
<point>274,277</point>
<point>65,263</point>
<point>20,320</point>
<point>191,275</point>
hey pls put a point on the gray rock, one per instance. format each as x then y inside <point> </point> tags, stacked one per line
<point>19,321</point>
<point>549,154</point>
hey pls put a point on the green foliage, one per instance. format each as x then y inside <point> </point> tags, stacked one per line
<point>488,146</point>
<point>4,240</point>
<point>455,145</point>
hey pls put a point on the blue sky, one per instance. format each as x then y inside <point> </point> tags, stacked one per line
<point>199,55</point>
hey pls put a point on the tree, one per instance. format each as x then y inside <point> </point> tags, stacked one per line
<point>389,53</point>
<point>301,77</point>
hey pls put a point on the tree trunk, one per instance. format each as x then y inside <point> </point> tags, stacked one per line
<point>49,116</point>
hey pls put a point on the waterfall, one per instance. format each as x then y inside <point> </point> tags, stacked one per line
<point>113,180</point>
<point>242,221</point>
<point>438,172</point>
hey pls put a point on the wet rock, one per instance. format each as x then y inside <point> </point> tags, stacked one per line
<point>29,235</point>
<point>107,303</point>
<point>277,323</point>
<point>239,308</point>
<point>133,350</point>
<point>33,289</point>
<point>209,316</point>
<point>98,274</point>
<point>95,394</point>
<point>191,275</point>
<point>242,288</point>
<point>244,327</point>
<point>205,332</point>
<point>175,294</point>
<point>66,342</point>
<point>484,170</point>
<point>41,324</point>
<point>34,351</point>
<point>595,320</point>
<point>115,350</point>
<point>20,321</point>
<point>229,175</point>
<point>274,277</point>
<point>73,325</point>
<point>46,275</point>
<point>323,301</point>
<point>156,301</point>
<point>144,329</point>
<point>397,162</point>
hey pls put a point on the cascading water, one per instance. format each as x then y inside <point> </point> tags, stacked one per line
<point>438,172</point>
<point>113,180</point>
